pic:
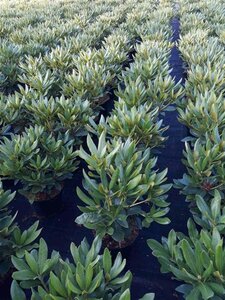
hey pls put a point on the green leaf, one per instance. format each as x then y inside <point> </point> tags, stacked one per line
<point>118,266</point>
<point>162,221</point>
<point>91,145</point>
<point>219,257</point>
<point>101,143</point>
<point>202,206</point>
<point>182,274</point>
<point>16,292</point>
<point>134,182</point>
<point>57,285</point>
<point>121,280</point>
<point>31,262</point>
<point>216,239</point>
<point>125,295</point>
<point>215,206</point>
<point>114,178</point>
<point>19,263</point>
<point>189,256</point>
<point>96,282</point>
<point>85,198</point>
<point>157,248</point>
<point>42,254</point>
<point>218,288</point>
<point>206,291</point>
<point>80,278</point>
<point>72,287</point>
<point>104,179</point>
<point>194,294</point>
<point>107,261</point>
<point>32,234</point>
<point>24,275</point>
<point>208,272</point>
<point>149,296</point>
<point>89,276</point>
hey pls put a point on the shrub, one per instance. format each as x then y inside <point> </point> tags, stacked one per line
<point>9,70</point>
<point>210,214</point>
<point>206,77</point>
<point>199,49</point>
<point>196,259</point>
<point>160,92</point>
<point>140,124</point>
<point>134,92</point>
<point>13,241</point>
<point>60,115</point>
<point>203,114</point>
<point>55,114</point>
<point>88,81</point>
<point>40,161</point>
<point>205,168</point>
<point>121,182</point>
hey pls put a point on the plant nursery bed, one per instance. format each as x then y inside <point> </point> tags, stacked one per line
<point>60,229</point>
<point>94,111</point>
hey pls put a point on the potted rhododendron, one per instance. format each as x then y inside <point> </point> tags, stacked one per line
<point>39,161</point>
<point>123,191</point>
<point>12,240</point>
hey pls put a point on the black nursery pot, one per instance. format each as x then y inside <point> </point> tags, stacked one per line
<point>109,243</point>
<point>125,252</point>
<point>47,208</point>
<point>124,246</point>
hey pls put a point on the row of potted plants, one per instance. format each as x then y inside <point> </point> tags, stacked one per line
<point>197,259</point>
<point>123,190</point>
<point>205,106</point>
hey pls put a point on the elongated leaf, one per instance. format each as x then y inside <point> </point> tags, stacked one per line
<point>16,292</point>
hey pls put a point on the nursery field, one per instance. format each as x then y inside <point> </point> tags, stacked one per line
<point>112,149</point>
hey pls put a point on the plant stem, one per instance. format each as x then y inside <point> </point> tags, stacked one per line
<point>43,283</point>
<point>137,203</point>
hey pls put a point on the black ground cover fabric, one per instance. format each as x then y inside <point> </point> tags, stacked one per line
<point>145,268</point>
<point>60,230</point>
